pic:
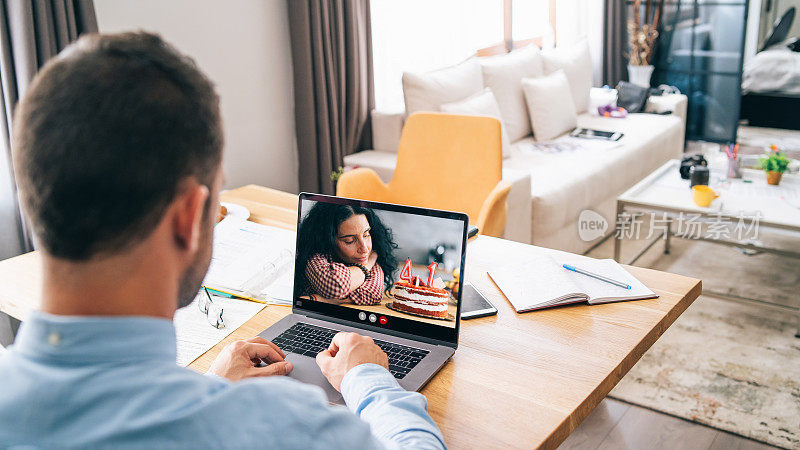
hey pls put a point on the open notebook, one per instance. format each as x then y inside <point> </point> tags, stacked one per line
<point>541,282</point>
<point>252,261</point>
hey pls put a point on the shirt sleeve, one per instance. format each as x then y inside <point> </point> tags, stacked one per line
<point>371,291</point>
<point>284,413</point>
<point>398,418</point>
<point>328,279</point>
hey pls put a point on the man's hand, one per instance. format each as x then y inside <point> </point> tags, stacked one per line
<point>346,351</point>
<point>238,360</point>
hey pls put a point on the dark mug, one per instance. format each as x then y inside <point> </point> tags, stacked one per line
<point>699,175</point>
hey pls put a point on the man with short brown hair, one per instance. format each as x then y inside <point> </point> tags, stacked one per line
<point>117,151</point>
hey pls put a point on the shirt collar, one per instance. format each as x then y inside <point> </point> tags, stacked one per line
<point>77,339</point>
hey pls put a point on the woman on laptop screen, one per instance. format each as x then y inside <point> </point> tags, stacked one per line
<point>348,254</point>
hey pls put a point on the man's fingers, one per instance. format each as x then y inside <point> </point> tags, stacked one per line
<point>323,358</point>
<point>324,355</point>
<point>278,368</point>
<point>336,342</point>
<point>261,340</point>
<point>262,351</point>
<point>339,340</point>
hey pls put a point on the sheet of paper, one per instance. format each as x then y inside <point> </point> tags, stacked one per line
<point>570,144</point>
<point>280,291</point>
<point>598,289</point>
<point>195,335</point>
<point>537,282</point>
<point>785,191</point>
<point>243,250</point>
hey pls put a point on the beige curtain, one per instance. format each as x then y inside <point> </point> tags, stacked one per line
<point>31,32</point>
<point>333,85</point>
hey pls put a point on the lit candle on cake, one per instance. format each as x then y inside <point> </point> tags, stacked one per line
<point>405,274</point>
<point>431,273</point>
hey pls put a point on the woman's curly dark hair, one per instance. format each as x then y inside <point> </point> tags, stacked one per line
<point>318,232</point>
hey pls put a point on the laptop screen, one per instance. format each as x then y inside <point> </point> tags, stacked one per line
<point>382,266</point>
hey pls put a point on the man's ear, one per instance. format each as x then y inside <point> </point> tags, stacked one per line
<point>188,218</point>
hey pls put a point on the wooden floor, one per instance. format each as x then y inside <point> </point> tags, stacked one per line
<point>618,425</point>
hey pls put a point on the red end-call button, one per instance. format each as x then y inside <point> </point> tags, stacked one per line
<point>382,320</point>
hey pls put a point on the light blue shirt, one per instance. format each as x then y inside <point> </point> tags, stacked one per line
<point>113,382</point>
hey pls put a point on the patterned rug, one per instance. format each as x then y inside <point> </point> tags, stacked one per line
<point>731,366</point>
<point>727,364</point>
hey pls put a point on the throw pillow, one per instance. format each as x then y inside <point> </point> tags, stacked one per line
<point>503,74</point>
<point>428,91</point>
<point>480,104</point>
<point>576,63</point>
<point>550,105</point>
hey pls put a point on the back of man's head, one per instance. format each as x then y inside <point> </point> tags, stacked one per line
<point>103,138</point>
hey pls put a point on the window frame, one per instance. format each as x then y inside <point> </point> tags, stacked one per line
<point>509,43</point>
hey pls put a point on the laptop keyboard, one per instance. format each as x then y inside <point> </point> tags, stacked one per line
<point>304,339</point>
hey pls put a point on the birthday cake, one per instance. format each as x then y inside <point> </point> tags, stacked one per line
<point>417,298</point>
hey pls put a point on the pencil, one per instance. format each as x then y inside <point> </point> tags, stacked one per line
<point>232,295</point>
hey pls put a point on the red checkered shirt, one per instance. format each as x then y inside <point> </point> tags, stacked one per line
<point>331,279</point>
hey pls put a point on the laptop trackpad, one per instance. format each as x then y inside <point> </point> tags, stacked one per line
<point>307,371</point>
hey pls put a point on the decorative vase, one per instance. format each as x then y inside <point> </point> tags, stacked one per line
<point>774,178</point>
<point>640,75</point>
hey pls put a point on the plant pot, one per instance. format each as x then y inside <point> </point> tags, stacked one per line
<point>774,178</point>
<point>640,75</point>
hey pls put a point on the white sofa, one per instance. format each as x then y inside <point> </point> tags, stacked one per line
<point>549,190</point>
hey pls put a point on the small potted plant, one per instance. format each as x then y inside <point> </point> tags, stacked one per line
<point>774,164</point>
<point>336,174</point>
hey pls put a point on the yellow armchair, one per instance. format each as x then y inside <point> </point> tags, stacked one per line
<point>444,162</point>
<point>362,184</point>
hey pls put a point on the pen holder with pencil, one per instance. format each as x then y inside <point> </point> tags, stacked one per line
<point>732,152</point>
<point>734,170</point>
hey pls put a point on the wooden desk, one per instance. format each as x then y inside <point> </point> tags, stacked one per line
<point>516,380</point>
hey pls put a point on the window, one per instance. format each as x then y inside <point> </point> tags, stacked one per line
<point>422,35</point>
<point>531,19</point>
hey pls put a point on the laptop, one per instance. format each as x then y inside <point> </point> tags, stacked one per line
<point>412,312</point>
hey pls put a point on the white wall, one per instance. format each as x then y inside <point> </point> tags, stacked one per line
<point>243,46</point>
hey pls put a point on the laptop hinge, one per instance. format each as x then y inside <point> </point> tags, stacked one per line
<point>399,334</point>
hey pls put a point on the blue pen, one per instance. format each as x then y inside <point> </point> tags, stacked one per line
<point>599,277</point>
<point>220,293</point>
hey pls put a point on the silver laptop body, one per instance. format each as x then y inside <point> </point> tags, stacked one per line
<point>439,341</point>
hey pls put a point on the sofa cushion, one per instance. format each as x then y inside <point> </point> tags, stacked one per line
<point>565,183</point>
<point>549,105</point>
<point>428,91</point>
<point>559,185</point>
<point>576,63</point>
<point>480,104</point>
<point>504,74</point>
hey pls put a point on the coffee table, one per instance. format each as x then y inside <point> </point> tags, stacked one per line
<point>746,207</point>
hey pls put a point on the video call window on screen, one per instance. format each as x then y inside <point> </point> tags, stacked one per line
<point>382,263</point>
